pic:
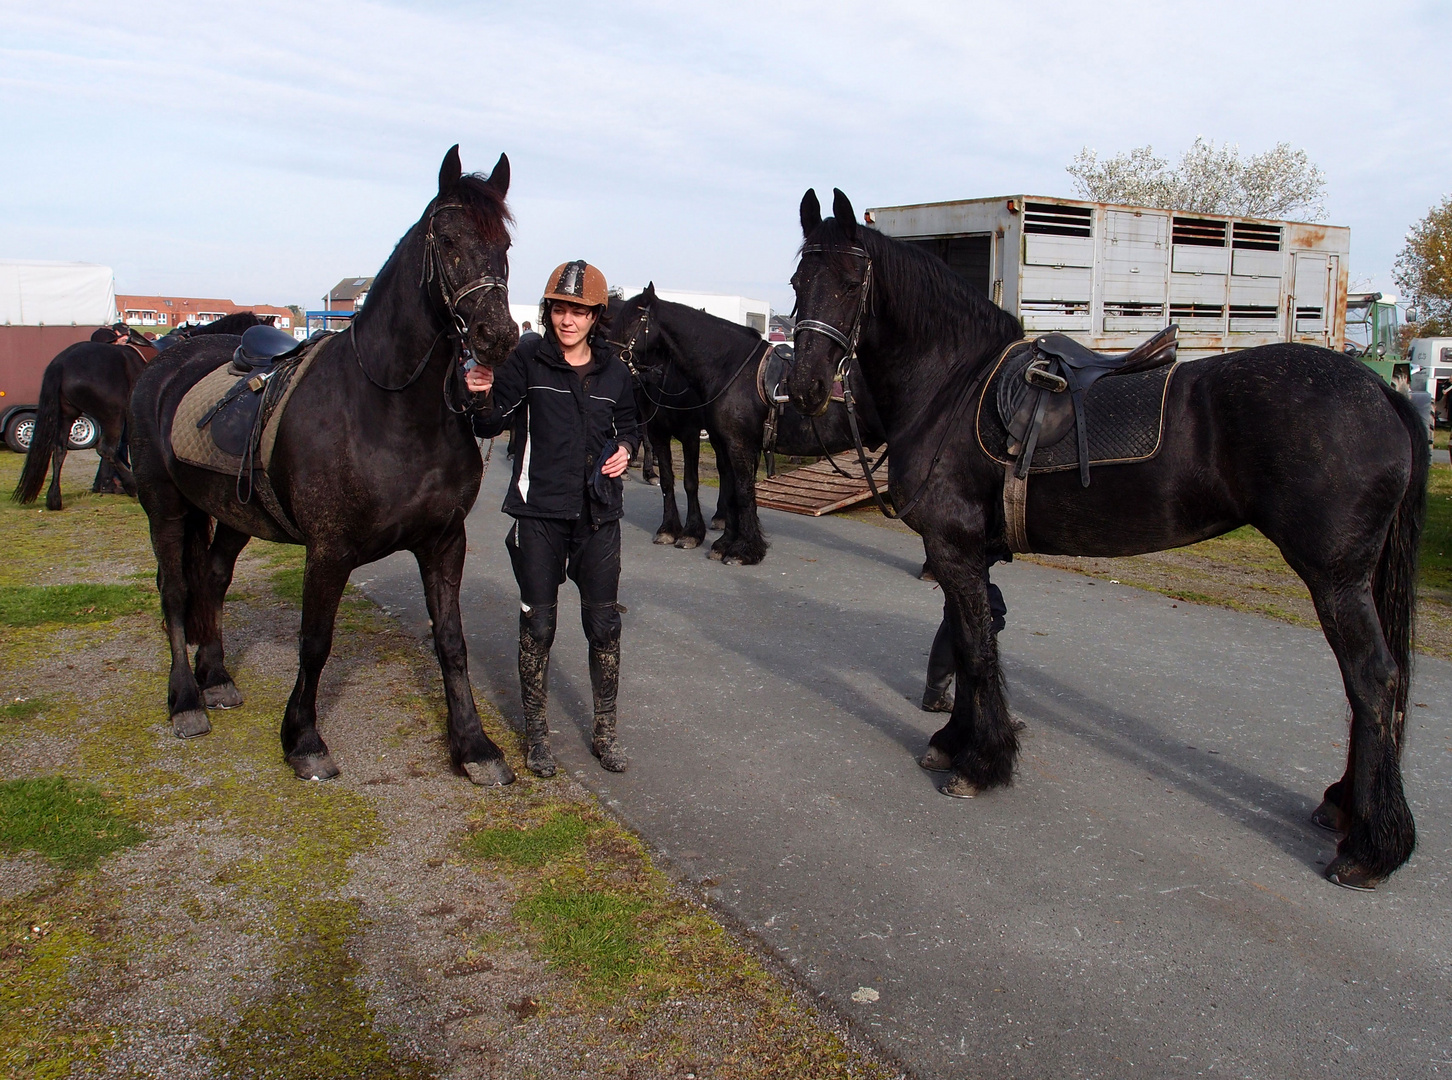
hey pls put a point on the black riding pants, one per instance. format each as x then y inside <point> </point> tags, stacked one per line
<point>544,551</point>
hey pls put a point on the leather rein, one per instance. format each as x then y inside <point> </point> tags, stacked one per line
<point>433,269</point>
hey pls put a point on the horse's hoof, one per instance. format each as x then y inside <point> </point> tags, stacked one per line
<point>732,560</point>
<point>927,575</point>
<point>226,696</point>
<point>1330,817</point>
<point>1344,872</point>
<point>496,773</point>
<point>686,543</point>
<point>959,786</point>
<point>716,556</point>
<point>718,524</point>
<point>935,759</point>
<point>190,724</point>
<point>664,537</point>
<point>314,767</point>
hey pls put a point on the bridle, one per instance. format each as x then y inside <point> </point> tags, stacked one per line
<point>433,269</point>
<point>849,341</point>
<point>626,349</point>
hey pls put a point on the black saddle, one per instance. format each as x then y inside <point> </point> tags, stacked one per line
<point>261,347</point>
<point>772,372</point>
<point>1042,395</point>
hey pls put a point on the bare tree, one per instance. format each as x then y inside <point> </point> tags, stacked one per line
<point>1210,179</point>
<point>1423,271</point>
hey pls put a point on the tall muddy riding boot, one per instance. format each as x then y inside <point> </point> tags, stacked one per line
<point>534,665</point>
<point>605,682</point>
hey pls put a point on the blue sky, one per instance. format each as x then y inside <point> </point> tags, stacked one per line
<point>263,151</point>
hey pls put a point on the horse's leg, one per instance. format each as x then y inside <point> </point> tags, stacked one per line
<point>174,539</point>
<point>726,477</point>
<point>470,749</point>
<point>323,581</point>
<point>670,520</point>
<point>57,460</point>
<point>695,531</point>
<point>1368,802</point>
<point>979,739</point>
<point>218,689</point>
<point>648,471</point>
<point>748,546</point>
<point>723,497</point>
<point>112,473</point>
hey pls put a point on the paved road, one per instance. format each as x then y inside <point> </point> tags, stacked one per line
<point>1145,901</point>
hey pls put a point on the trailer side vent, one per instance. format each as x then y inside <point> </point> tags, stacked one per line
<point>1055,307</point>
<point>1058,220</point>
<point>1196,311</point>
<point>1128,309</point>
<point>1256,237</point>
<point>1199,232</point>
<point>1253,311</point>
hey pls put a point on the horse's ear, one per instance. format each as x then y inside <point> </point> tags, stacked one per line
<point>845,215</point>
<point>650,291</point>
<point>811,213</point>
<point>450,170</point>
<point>499,178</point>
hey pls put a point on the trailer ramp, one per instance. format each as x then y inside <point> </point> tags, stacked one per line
<point>819,489</point>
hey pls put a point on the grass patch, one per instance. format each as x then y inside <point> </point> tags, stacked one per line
<point>558,836</point>
<point>33,605</point>
<point>22,709</point>
<point>1436,563</point>
<point>593,933</point>
<point>68,822</point>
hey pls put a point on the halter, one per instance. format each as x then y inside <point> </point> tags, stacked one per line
<point>626,349</point>
<point>433,267</point>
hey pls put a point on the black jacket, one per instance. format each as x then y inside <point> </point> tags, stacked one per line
<point>563,418</point>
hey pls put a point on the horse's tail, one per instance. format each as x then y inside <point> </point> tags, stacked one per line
<point>201,618</point>
<point>43,439</point>
<point>1395,584</point>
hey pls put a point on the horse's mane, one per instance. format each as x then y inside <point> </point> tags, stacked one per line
<point>487,207</point>
<point>929,302</point>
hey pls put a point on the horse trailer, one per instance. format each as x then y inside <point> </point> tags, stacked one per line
<point>1110,276</point>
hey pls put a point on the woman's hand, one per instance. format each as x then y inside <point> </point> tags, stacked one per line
<point>617,462</point>
<point>479,379</point>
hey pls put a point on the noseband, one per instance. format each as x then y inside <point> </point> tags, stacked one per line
<point>626,349</point>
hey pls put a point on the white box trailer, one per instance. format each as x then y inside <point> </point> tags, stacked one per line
<point>1109,276</point>
<point>743,310</point>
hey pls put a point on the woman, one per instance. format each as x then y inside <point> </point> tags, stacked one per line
<point>571,406</point>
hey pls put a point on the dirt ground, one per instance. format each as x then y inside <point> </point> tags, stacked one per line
<point>396,922</point>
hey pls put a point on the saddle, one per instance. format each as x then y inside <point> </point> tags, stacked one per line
<point>1041,395</point>
<point>771,373</point>
<point>228,421</point>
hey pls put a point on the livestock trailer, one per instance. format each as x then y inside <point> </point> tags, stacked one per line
<point>1110,276</point>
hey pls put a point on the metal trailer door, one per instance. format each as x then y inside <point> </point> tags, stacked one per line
<point>1136,271</point>
<point>1311,291</point>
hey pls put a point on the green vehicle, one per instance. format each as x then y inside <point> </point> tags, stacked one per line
<point>1372,326</point>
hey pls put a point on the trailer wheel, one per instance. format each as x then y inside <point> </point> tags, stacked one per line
<point>85,433</point>
<point>19,430</point>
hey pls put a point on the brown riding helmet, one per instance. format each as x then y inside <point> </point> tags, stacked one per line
<point>577,283</point>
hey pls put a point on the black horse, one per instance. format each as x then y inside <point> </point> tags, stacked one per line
<point>700,371</point>
<point>96,379</point>
<point>372,456</point>
<point>1306,445</point>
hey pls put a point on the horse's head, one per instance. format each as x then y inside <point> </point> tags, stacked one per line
<point>466,258</point>
<point>833,283</point>
<point>635,329</point>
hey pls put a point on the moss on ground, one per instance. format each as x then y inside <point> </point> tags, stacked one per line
<point>69,822</point>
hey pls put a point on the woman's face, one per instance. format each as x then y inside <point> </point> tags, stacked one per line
<point>572,322</point>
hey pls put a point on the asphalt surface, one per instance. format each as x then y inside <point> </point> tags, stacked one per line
<point>1146,900</point>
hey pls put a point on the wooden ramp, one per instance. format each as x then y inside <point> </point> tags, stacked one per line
<point>819,489</point>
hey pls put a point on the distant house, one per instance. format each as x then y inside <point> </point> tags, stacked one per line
<point>348,294</point>
<point>170,311</point>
